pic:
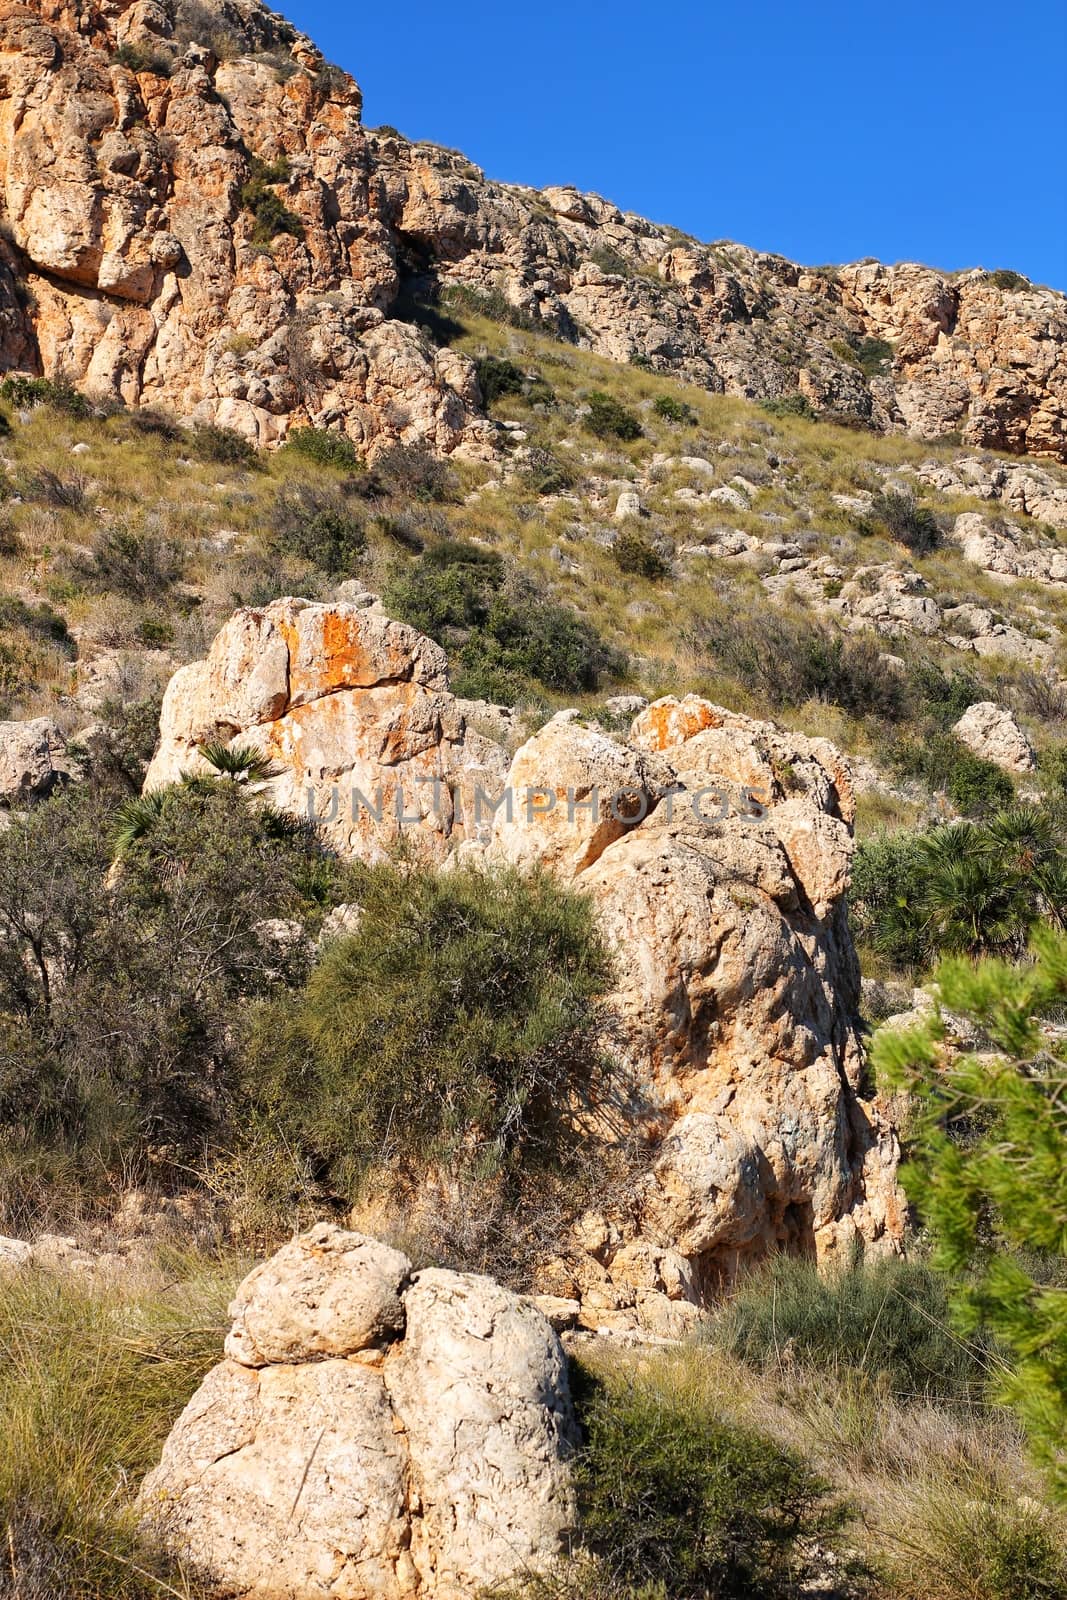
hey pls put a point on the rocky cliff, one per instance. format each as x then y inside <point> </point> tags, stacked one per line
<point>195,217</point>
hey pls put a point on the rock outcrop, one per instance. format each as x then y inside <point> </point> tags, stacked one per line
<point>33,760</point>
<point>353,711</point>
<point>992,732</point>
<point>383,1434</point>
<point>716,850</point>
<point>196,217</point>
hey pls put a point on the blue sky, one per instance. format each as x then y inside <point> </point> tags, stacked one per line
<point>826,131</point>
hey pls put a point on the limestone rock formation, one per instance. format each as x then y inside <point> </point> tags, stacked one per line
<point>992,732</point>
<point>32,760</point>
<point>392,1434</point>
<point>355,714</point>
<point>716,850</point>
<point>722,895</point>
<point>196,217</point>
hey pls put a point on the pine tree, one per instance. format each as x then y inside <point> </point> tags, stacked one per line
<point>988,1170</point>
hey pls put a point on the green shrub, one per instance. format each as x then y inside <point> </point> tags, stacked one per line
<point>886,901</point>
<point>414,474</point>
<point>610,261</point>
<point>974,786</point>
<point>319,528</point>
<point>897,516</point>
<point>1004,278</point>
<point>526,639</point>
<point>788,660</point>
<point>607,419</point>
<point>890,1320</point>
<point>145,58</point>
<point>943,696</point>
<point>25,393</point>
<point>976,887</point>
<point>633,553</point>
<point>672,410</point>
<point>544,473</point>
<point>677,1501</point>
<point>272,216</point>
<point>225,446</point>
<point>788,405</point>
<point>119,994</point>
<point>457,1026</point>
<point>134,562</point>
<point>873,356</point>
<point>494,306</point>
<point>38,620</point>
<point>498,376</point>
<point>503,632</point>
<point>323,446</point>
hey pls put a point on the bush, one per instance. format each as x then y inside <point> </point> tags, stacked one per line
<point>225,446</point>
<point>988,1170</point>
<point>132,562</point>
<point>898,517</point>
<point>975,787</point>
<point>965,886</point>
<point>498,376</point>
<point>637,555</point>
<point>272,216</point>
<point>527,638</point>
<point>788,405</point>
<point>141,58</point>
<point>890,1320</point>
<point>118,993</point>
<point>503,632</point>
<point>1004,278</point>
<point>494,306</point>
<point>607,419</point>
<point>458,1026</point>
<point>886,901</point>
<point>788,660</point>
<point>323,446</point>
<point>672,410</point>
<point>25,393</point>
<point>38,620</point>
<point>544,473</point>
<point>413,474</point>
<point>873,356</point>
<point>321,529</point>
<point>676,1498</point>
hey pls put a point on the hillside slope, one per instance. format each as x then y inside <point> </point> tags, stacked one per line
<point>194,216</point>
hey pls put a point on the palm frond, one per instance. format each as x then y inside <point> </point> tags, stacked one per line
<point>241,762</point>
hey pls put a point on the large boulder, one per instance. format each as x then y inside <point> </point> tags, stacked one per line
<point>354,712</point>
<point>360,1459</point>
<point>722,897</point>
<point>31,760</point>
<point>992,732</point>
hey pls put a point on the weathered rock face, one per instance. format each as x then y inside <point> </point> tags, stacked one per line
<point>992,732</point>
<point>138,267</point>
<point>352,1449</point>
<point>355,714</point>
<point>32,760</point>
<point>722,895</point>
